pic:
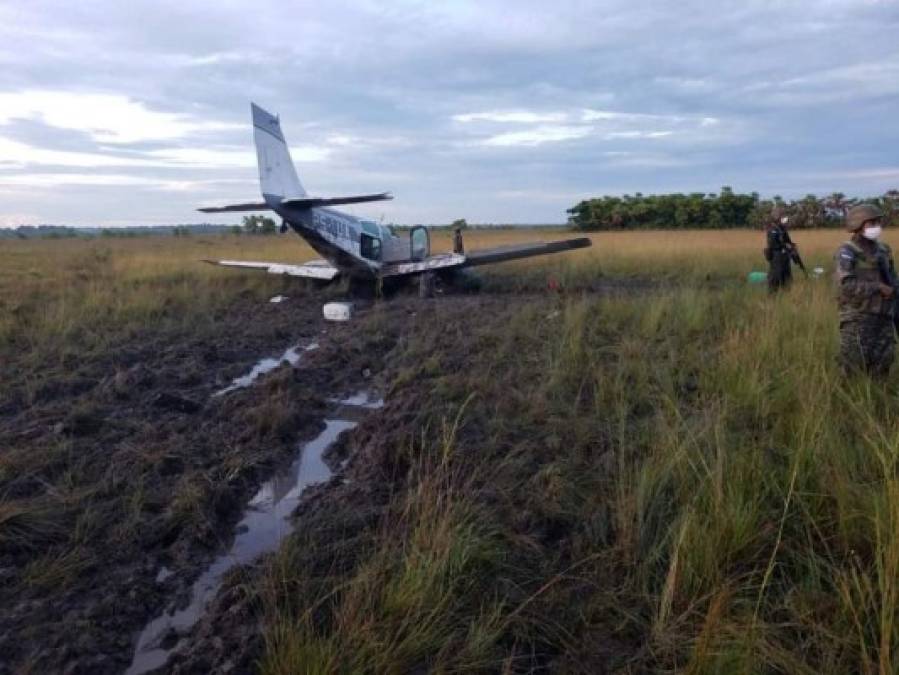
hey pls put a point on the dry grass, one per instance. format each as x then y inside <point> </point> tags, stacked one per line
<point>77,296</point>
<point>679,253</point>
<point>80,292</point>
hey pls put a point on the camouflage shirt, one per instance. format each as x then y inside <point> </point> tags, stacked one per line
<point>859,275</point>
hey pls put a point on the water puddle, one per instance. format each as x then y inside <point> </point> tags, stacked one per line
<point>292,356</point>
<point>265,523</point>
<point>361,399</point>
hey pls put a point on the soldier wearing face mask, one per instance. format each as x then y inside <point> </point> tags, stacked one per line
<point>867,282</point>
<point>780,250</point>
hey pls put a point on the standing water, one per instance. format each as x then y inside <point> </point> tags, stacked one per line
<point>361,399</point>
<point>265,523</point>
<point>292,356</point>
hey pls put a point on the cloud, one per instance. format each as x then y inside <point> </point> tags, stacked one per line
<point>240,57</point>
<point>606,125</point>
<point>514,116</point>
<point>211,158</point>
<point>637,134</point>
<point>608,115</point>
<point>640,161</point>
<point>536,136</point>
<point>566,196</point>
<point>16,154</point>
<point>107,118</point>
<point>111,180</point>
<point>890,173</point>
<point>437,100</point>
<point>204,158</point>
<point>853,82</point>
<point>16,219</point>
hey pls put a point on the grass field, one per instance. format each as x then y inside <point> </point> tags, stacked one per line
<point>53,287</point>
<point>677,480</point>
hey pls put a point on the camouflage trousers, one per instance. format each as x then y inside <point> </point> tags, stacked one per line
<point>867,344</point>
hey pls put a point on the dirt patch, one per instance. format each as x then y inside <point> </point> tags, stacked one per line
<point>129,465</point>
<point>124,477</point>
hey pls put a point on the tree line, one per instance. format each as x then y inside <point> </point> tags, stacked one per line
<point>727,209</point>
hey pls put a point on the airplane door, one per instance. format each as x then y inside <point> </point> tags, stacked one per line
<point>419,242</point>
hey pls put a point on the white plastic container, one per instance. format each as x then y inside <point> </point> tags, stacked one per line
<point>338,311</point>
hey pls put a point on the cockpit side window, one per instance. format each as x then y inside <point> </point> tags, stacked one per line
<point>370,247</point>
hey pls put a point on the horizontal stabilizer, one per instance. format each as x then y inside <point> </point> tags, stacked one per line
<point>309,202</point>
<point>514,252</point>
<point>314,269</point>
<point>255,206</point>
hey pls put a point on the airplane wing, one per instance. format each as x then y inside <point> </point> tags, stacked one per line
<point>442,261</point>
<point>314,269</point>
<point>446,261</point>
<point>516,251</point>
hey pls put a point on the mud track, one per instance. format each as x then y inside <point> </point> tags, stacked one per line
<point>127,464</point>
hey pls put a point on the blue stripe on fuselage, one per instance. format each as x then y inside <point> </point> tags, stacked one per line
<point>336,224</point>
<point>333,234</point>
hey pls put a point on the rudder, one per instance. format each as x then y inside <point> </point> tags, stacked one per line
<point>277,173</point>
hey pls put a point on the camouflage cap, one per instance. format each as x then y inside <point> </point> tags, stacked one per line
<point>859,215</point>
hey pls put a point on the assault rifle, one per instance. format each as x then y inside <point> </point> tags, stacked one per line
<point>796,258</point>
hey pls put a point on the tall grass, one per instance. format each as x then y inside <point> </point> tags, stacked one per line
<point>726,500</point>
<point>755,493</point>
<point>411,601</point>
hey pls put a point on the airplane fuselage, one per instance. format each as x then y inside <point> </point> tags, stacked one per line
<point>357,247</point>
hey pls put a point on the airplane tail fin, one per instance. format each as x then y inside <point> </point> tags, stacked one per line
<point>277,174</point>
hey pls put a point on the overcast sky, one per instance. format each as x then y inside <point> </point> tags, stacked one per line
<point>138,112</point>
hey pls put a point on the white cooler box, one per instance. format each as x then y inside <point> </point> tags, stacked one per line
<point>338,311</point>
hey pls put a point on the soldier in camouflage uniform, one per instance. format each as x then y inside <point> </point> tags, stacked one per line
<point>866,278</point>
<point>779,251</point>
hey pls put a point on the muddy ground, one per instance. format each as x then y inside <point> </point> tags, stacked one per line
<point>123,464</point>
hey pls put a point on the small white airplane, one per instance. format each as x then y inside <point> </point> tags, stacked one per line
<point>359,249</point>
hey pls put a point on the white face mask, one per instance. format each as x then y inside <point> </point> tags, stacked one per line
<point>872,232</point>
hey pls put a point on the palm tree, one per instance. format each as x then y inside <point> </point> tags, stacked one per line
<point>837,203</point>
<point>811,211</point>
<point>890,201</point>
